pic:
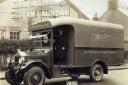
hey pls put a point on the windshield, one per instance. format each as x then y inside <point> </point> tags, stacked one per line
<point>42,40</point>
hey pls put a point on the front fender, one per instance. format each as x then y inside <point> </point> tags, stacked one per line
<point>38,63</point>
<point>26,64</point>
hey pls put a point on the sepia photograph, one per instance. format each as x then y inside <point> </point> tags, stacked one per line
<point>63,42</point>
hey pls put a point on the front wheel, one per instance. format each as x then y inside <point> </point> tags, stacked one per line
<point>12,78</point>
<point>34,76</point>
<point>96,73</point>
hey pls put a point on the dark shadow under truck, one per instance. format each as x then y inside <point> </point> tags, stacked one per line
<point>70,47</point>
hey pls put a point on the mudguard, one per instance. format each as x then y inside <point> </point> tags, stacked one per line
<point>26,66</point>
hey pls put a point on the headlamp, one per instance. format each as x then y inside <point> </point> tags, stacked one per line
<point>8,59</point>
<point>21,60</point>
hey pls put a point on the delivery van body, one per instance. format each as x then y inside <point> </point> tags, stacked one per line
<point>67,46</point>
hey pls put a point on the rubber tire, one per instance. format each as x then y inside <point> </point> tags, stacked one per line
<point>10,79</point>
<point>92,76</point>
<point>30,72</point>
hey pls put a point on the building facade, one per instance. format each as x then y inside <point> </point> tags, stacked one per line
<point>13,32</point>
<point>27,12</point>
<point>115,15</point>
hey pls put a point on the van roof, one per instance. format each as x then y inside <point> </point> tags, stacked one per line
<point>72,21</point>
<point>88,33</point>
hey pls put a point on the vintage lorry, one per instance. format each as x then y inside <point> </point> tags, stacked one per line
<point>68,47</point>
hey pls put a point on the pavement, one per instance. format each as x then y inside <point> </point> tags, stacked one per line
<point>121,67</point>
<point>2,75</point>
<point>114,77</point>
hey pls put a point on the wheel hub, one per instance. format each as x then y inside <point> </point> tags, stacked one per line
<point>35,78</point>
<point>98,73</point>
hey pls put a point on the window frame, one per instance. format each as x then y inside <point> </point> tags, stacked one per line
<point>14,35</point>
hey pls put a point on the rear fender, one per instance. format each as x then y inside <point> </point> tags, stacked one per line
<point>101,62</point>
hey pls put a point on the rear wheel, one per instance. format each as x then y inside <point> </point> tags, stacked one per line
<point>96,73</point>
<point>34,76</point>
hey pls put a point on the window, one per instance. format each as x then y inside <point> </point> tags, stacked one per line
<point>15,35</point>
<point>42,40</point>
<point>2,34</point>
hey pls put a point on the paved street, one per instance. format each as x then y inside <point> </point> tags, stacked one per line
<point>115,77</point>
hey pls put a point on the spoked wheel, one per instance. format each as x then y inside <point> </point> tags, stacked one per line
<point>96,73</point>
<point>34,76</point>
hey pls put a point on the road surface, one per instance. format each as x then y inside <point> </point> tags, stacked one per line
<point>115,77</point>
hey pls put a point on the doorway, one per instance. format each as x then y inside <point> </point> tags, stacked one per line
<point>60,45</point>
